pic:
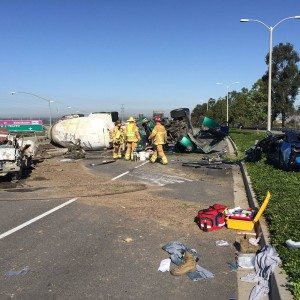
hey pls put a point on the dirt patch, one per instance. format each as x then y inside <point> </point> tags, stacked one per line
<point>53,178</point>
<point>38,178</point>
<point>72,179</point>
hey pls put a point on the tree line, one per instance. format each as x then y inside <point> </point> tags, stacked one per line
<point>248,108</point>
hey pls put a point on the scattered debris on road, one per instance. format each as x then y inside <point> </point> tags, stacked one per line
<point>24,271</point>
<point>128,240</point>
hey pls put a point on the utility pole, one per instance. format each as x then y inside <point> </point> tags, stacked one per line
<point>122,113</point>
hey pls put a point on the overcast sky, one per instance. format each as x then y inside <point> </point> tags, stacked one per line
<point>146,54</point>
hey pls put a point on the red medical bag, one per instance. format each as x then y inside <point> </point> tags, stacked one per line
<point>212,218</point>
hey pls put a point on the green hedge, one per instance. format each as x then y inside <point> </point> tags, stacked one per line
<point>283,211</point>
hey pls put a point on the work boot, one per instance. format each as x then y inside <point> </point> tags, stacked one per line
<point>153,158</point>
<point>164,160</point>
<point>188,265</point>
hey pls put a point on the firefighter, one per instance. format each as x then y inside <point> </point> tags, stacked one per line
<point>132,137</point>
<point>159,137</point>
<point>117,138</point>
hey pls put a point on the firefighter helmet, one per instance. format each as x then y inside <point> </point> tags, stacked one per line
<point>131,119</point>
<point>157,119</point>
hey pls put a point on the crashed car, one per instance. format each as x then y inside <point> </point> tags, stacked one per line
<point>10,156</point>
<point>15,154</point>
<point>281,150</point>
<point>181,136</point>
<point>185,138</point>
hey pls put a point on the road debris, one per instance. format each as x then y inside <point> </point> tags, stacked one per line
<point>282,150</point>
<point>128,240</point>
<point>246,260</point>
<point>222,243</point>
<point>292,244</point>
<point>24,271</point>
<point>165,265</point>
<point>186,260</point>
<point>265,263</point>
<point>104,162</point>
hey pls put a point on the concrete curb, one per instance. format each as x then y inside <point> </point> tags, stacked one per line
<point>278,280</point>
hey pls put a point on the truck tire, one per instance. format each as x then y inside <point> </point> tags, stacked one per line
<point>179,113</point>
<point>16,176</point>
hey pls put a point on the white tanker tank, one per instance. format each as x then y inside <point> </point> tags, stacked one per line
<point>92,132</point>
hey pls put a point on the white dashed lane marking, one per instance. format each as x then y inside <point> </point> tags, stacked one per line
<point>11,231</point>
<point>157,179</point>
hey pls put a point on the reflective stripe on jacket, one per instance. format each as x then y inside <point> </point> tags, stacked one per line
<point>159,134</point>
<point>117,134</point>
<point>132,133</point>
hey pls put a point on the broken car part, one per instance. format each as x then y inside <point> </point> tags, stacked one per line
<point>282,150</point>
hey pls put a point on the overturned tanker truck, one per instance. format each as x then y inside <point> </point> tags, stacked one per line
<point>89,133</point>
<point>184,138</point>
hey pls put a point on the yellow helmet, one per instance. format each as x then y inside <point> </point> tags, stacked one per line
<point>131,119</point>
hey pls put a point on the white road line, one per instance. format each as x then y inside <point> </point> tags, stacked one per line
<point>3,235</point>
<point>121,175</point>
<point>141,164</point>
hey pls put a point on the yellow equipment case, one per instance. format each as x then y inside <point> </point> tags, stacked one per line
<point>248,225</point>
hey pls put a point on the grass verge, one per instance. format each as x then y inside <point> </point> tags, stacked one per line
<point>283,211</point>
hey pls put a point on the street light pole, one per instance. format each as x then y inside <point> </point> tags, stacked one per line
<point>269,121</point>
<point>49,102</point>
<point>227,102</point>
<point>122,113</point>
<point>270,28</point>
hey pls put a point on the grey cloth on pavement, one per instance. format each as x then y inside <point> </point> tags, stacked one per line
<point>177,249</point>
<point>17,273</point>
<point>261,289</point>
<point>200,273</point>
<point>265,263</point>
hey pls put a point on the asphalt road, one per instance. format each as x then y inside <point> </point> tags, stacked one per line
<point>78,251</point>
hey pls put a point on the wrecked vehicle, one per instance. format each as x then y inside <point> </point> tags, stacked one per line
<point>281,150</point>
<point>183,137</point>
<point>91,132</point>
<point>15,154</point>
<point>10,156</point>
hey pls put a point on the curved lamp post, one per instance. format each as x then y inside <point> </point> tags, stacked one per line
<point>227,91</point>
<point>270,28</point>
<point>47,100</point>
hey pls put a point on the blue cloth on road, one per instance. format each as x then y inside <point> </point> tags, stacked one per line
<point>177,249</point>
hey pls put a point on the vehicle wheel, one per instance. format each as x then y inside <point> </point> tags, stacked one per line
<point>15,177</point>
<point>179,113</point>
